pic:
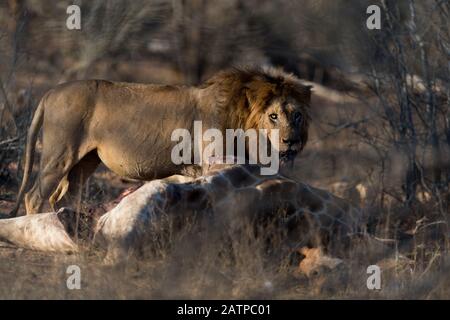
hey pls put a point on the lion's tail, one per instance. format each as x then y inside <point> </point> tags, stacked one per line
<point>29,153</point>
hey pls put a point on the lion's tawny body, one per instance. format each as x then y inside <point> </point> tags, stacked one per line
<point>128,126</point>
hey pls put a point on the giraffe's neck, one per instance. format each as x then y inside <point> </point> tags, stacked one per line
<point>315,214</point>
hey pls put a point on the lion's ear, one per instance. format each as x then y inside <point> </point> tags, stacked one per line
<point>257,92</point>
<point>306,91</point>
<point>250,96</point>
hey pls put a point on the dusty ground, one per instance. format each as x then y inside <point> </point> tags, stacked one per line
<point>31,275</point>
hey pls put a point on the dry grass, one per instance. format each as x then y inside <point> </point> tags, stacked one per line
<point>204,260</point>
<point>203,264</point>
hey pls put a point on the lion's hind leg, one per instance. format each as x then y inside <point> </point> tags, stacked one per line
<point>58,177</point>
<point>50,178</point>
<point>69,191</point>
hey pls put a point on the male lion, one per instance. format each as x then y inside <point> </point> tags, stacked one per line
<point>128,126</point>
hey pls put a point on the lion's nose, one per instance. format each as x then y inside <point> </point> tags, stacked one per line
<point>291,142</point>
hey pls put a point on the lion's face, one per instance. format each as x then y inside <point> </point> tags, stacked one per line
<point>289,116</point>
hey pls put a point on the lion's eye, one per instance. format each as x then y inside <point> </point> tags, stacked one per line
<point>297,117</point>
<point>273,116</point>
